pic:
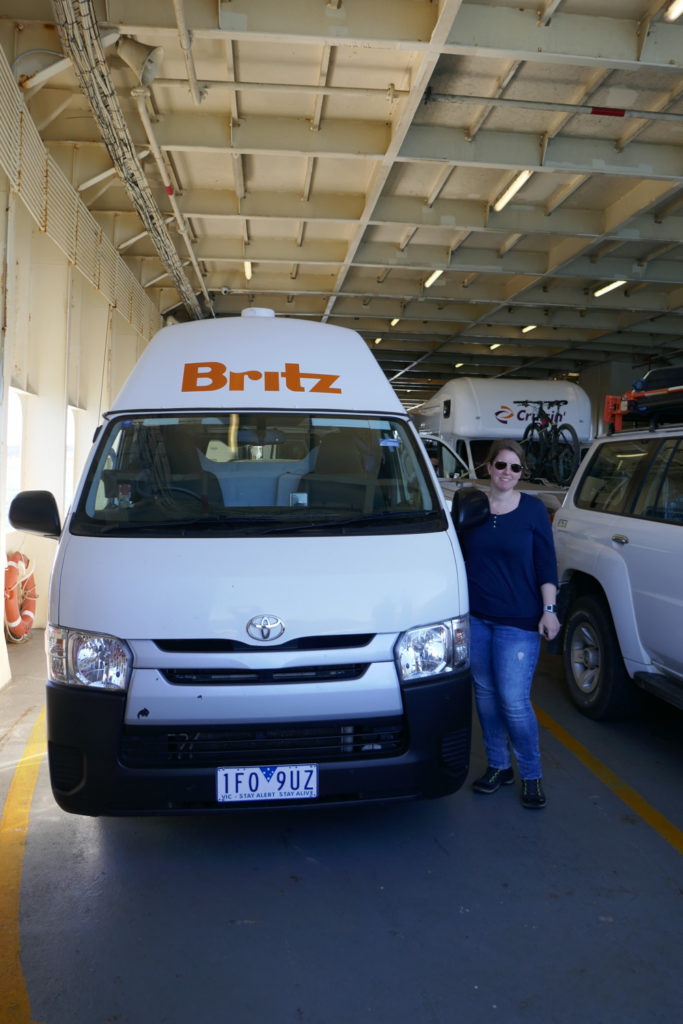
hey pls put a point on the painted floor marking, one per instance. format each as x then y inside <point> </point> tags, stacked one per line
<point>630,796</point>
<point>13,830</point>
<point>14,827</point>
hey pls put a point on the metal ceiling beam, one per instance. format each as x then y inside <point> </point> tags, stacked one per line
<point>569,39</point>
<point>445,214</point>
<point>358,139</point>
<point>421,260</point>
<point>512,34</point>
<point>575,109</point>
<point>513,150</point>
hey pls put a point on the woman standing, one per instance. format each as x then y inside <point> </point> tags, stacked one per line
<point>512,577</point>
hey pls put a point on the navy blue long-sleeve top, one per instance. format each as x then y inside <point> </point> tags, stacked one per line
<point>507,559</point>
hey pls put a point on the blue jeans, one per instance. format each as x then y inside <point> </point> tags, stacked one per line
<point>503,664</point>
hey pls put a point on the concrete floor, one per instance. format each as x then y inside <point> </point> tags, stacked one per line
<point>467,909</point>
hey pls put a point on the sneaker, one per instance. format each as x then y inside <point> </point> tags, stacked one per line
<point>532,793</point>
<point>493,779</point>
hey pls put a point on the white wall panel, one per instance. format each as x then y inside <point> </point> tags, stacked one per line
<point>75,321</point>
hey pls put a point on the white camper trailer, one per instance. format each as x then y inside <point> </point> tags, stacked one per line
<point>468,413</point>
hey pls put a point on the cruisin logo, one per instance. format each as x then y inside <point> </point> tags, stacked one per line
<point>525,414</point>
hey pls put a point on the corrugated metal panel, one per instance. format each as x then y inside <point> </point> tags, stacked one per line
<point>62,202</point>
<point>88,233</point>
<point>10,104</point>
<point>57,209</point>
<point>106,277</point>
<point>32,173</point>
<point>122,290</point>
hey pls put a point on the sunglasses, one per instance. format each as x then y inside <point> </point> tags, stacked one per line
<point>514,466</point>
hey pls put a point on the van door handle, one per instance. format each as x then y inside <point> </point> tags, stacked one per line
<point>619,538</point>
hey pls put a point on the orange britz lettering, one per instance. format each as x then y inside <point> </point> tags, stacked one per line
<point>214,372</point>
<point>325,382</point>
<point>212,376</point>
<point>237,379</point>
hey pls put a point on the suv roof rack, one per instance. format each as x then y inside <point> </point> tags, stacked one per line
<point>653,406</point>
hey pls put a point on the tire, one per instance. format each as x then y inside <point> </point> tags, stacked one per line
<point>566,453</point>
<point>594,669</point>
<point>534,444</point>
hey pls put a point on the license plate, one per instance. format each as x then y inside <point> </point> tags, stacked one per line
<point>267,782</point>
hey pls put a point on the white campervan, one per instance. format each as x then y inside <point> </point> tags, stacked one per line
<point>258,595</point>
<point>468,413</point>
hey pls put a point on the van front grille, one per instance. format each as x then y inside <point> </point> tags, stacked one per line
<point>260,677</point>
<point>305,643</point>
<point>216,747</point>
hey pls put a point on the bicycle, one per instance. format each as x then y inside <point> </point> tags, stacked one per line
<point>552,449</point>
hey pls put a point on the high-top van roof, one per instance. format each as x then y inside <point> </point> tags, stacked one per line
<point>255,361</point>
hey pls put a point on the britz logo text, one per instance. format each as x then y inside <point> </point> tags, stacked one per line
<point>505,414</point>
<point>212,376</point>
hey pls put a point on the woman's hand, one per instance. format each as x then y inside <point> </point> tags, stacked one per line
<point>549,625</point>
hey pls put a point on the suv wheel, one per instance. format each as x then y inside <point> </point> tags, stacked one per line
<point>594,668</point>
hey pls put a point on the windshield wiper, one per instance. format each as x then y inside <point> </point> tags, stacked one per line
<point>264,525</point>
<point>403,516</point>
<point>369,519</point>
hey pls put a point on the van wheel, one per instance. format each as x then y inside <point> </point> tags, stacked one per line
<point>594,669</point>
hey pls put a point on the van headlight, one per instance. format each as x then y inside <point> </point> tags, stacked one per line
<point>429,651</point>
<point>96,660</point>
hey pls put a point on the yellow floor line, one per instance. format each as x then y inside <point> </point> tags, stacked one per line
<point>13,829</point>
<point>630,797</point>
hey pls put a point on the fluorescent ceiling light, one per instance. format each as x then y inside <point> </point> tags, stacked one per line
<point>432,278</point>
<point>247,269</point>
<point>497,345</point>
<point>608,288</point>
<point>377,341</point>
<point>458,365</point>
<point>674,10</point>
<point>512,190</point>
<point>395,321</point>
<point>529,327</point>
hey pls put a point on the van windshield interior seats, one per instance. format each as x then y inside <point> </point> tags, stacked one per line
<point>187,475</point>
<point>283,465</point>
<point>340,477</point>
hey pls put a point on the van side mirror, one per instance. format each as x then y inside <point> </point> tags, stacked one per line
<point>470,508</point>
<point>35,512</point>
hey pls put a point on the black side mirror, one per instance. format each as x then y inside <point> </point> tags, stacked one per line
<point>470,508</point>
<point>35,512</point>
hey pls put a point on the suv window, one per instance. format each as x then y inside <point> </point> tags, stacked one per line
<point>606,481</point>
<point>661,496</point>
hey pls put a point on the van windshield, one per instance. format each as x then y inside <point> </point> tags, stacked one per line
<point>256,473</point>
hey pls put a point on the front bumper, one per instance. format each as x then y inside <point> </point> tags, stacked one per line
<point>98,765</point>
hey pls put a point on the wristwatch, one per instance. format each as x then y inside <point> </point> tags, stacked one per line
<point>550,608</point>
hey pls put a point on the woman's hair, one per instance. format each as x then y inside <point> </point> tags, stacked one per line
<point>505,445</point>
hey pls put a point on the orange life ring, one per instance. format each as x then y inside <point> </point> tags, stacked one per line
<point>20,597</point>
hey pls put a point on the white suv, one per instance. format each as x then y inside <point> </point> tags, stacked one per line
<point>619,542</point>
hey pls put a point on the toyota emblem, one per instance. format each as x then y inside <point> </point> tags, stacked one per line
<point>265,627</point>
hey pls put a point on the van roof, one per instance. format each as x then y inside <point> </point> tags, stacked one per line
<point>257,361</point>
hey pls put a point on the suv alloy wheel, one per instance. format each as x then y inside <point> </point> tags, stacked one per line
<point>594,668</point>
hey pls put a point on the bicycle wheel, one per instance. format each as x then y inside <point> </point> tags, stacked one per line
<point>534,444</point>
<point>566,453</point>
